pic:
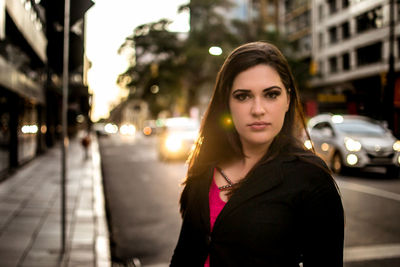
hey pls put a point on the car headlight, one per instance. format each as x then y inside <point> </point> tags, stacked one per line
<point>308,144</point>
<point>111,128</point>
<point>173,143</point>
<point>127,129</point>
<point>396,146</point>
<point>352,159</point>
<point>352,145</point>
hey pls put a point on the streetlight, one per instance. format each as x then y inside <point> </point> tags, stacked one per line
<point>154,89</point>
<point>215,50</point>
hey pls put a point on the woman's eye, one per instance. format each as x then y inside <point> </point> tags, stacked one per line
<point>241,97</point>
<point>273,94</point>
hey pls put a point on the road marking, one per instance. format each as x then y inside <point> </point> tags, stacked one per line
<point>373,252</point>
<point>368,190</point>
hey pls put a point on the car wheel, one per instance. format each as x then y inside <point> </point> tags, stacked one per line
<point>392,172</point>
<point>337,163</point>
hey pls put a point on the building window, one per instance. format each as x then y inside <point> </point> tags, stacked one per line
<point>320,12</point>
<point>289,5</point>
<point>306,19</point>
<point>332,6</point>
<point>372,19</point>
<point>320,68</point>
<point>346,61</point>
<point>369,54</point>
<point>291,28</point>
<point>332,35</point>
<point>271,9</point>
<point>333,64</point>
<point>398,10</point>
<point>345,31</point>
<point>320,40</point>
<point>345,3</point>
<point>398,47</point>
<point>305,43</point>
<point>27,133</point>
<point>5,132</point>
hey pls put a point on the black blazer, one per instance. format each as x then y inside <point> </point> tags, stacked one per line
<point>288,211</point>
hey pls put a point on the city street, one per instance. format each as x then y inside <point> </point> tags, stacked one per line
<point>142,199</point>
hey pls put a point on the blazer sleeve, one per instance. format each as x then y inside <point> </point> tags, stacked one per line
<point>323,225</point>
<point>190,249</point>
<point>179,249</point>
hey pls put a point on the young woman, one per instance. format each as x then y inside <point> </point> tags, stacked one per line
<point>253,196</point>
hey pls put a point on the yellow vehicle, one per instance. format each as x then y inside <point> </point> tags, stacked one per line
<point>177,138</point>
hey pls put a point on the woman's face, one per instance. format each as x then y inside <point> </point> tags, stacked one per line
<point>258,103</point>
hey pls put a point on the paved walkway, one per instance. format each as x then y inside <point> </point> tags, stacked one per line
<point>30,217</point>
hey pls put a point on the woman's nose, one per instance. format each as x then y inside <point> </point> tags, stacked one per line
<point>257,108</point>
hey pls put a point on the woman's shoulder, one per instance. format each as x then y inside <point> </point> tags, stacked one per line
<point>198,181</point>
<point>308,169</point>
<point>302,157</point>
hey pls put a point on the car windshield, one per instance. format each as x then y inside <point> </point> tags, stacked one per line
<point>361,127</point>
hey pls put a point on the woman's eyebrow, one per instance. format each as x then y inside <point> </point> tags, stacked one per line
<point>272,87</point>
<point>248,90</point>
<point>241,91</point>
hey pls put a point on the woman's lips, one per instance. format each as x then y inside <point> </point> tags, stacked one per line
<point>259,125</point>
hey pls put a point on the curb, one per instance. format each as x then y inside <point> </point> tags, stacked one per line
<point>102,237</point>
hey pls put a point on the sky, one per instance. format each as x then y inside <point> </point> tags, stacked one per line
<point>108,23</point>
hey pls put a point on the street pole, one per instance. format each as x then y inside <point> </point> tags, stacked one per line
<point>64,145</point>
<point>390,78</point>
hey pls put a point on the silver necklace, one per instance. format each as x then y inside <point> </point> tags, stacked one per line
<point>230,183</point>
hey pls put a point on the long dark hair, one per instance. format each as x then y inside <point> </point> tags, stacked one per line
<point>220,141</point>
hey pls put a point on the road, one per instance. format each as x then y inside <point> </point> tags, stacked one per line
<point>372,207</point>
<point>142,196</point>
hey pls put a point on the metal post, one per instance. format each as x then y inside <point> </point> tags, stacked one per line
<point>388,93</point>
<point>390,78</point>
<point>64,145</point>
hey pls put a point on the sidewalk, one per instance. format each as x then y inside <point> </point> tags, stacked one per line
<point>30,217</point>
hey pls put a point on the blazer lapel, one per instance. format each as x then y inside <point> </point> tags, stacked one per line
<point>263,179</point>
<point>205,183</point>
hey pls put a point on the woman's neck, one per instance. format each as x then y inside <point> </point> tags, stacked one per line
<point>253,154</point>
<point>237,168</point>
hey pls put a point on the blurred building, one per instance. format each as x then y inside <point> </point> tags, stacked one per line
<point>264,13</point>
<point>295,25</point>
<point>350,54</point>
<point>130,112</point>
<point>31,52</point>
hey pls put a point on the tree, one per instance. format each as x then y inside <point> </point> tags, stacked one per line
<point>178,66</point>
<point>155,74</point>
<point>208,28</point>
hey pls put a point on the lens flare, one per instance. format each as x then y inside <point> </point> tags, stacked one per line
<point>226,121</point>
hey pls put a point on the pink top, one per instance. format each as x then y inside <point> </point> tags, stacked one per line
<point>216,204</point>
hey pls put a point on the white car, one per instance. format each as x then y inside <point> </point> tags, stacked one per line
<point>352,141</point>
<point>105,129</point>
